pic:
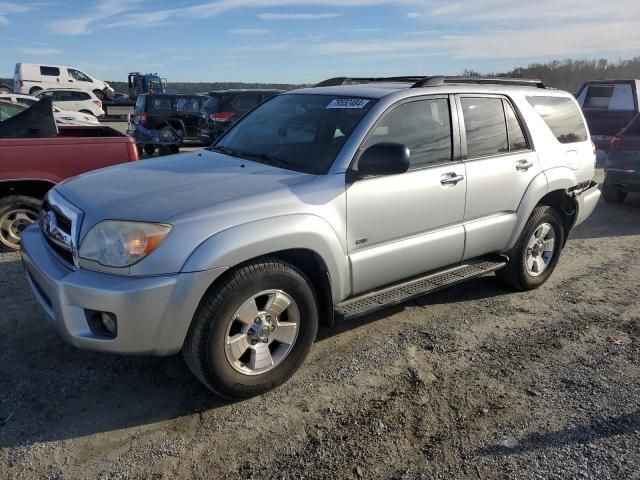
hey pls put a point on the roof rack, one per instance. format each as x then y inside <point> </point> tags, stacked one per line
<point>435,81</point>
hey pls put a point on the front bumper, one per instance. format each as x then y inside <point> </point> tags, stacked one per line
<point>153,313</point>
<point>586,202</point>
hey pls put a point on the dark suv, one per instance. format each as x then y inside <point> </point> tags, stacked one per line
<point>170,111</point>
<point>226,107</point>
<point>622,170</point>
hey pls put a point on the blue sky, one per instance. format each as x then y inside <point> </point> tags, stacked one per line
<point>301,41</point>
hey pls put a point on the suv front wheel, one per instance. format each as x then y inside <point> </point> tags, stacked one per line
<point>253,330</point>
<point>537,251</point>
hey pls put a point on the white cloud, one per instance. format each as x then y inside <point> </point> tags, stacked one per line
<point>297,16</point>
<point>4,20</point>
<point>83,24</point>
<point>7,9</point>
<point>249,31</point>
<point>39,51</point>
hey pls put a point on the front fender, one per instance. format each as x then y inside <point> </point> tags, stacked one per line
<point>263,237</point>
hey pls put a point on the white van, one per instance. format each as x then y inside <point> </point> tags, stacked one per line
<point>29,78</point>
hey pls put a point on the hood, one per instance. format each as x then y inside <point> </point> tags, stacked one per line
<point>159,189</point>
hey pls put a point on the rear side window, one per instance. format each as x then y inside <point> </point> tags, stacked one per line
<point>81,96</point>
<point>562,116</point>
<point>246,102</point>
<point>517,139</point>
<point>50,71</point>
<point>423,126</point>
<point>188,105</point>
<point>607,97</point>
<point>161,103</point>
<point>485,126</point>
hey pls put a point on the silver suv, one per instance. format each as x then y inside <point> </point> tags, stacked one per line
<point>322,203</point>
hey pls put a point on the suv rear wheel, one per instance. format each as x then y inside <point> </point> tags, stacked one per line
<point>537,251</point>
<point>253,330</point>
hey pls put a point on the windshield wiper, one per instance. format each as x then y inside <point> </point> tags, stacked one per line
<point>263,156</point>
<point>225,150</point>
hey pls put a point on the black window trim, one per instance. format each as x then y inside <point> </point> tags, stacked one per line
<point>463,131</point>
<point>456,156</point>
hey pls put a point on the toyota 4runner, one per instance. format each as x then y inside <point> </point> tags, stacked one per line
<point>322,203</point>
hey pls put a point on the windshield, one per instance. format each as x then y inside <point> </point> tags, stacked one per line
<point>301,132</point>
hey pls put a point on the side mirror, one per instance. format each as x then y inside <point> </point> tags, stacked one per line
<point>383,159</point>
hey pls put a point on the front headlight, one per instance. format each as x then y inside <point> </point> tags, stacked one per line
<point>114,243</point>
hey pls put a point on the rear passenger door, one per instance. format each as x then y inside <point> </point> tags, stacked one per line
<point>500,165</point>
<point>399,226</point>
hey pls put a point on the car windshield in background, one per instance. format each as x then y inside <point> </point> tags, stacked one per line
<point>301,132</point>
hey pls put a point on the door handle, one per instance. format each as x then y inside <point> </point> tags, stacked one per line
<point>523,165</point>
<point>451,178</point>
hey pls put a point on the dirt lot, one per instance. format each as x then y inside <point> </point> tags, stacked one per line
<point>473,382</point>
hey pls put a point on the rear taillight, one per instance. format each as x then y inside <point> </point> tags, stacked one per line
<point>221,116</point>
<point>143,118</point>
<point>21,83</point>
<point>594,147</point>
<point>97,103</point>
<point>132,151</point>
<point>616,141</point>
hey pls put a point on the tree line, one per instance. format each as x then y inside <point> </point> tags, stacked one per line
<point>566,74</point>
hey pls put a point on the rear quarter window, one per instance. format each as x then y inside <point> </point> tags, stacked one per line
<point>246,102</point>
<point>50,71</point>
<point>161,103</point>
<point>562,116</point>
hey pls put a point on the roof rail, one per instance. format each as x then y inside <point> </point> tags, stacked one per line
<point>333,82</point>
<point>434,81</point>
<point>440,80</point>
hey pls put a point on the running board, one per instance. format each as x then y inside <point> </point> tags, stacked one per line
<point>409,290</point>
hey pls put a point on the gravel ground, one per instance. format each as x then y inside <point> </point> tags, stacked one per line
<point>476,381</point>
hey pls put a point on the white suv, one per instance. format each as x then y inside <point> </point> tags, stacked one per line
<point>73,100</point>
<point>29,78</point>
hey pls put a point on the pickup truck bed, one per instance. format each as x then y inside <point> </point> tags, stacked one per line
<point>29,167</point>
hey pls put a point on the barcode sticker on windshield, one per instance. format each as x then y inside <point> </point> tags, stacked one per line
<point>352,103</point>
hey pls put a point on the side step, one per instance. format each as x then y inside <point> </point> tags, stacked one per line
<point>405,291</point>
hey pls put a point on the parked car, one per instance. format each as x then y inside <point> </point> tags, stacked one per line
<point>169,112</point>
<point>73,100</point>
<point>45,156</point>
<point>29,78</point>
<point>63,117</point>
<point>622,170</point>
<point>321,203</point>
<point>608,106</point>
<point>226,107</point>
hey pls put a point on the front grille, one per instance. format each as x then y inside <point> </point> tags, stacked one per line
<point>59,222</point>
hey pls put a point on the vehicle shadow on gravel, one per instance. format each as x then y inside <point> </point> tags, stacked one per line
<point>580,434</point>
<point>50,391</point>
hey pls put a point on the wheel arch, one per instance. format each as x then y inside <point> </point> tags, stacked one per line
<point>306,241</point>
<point>550,188</point>
<point>36,188</point>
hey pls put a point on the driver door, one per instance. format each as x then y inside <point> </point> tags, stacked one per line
<point>399,226</point>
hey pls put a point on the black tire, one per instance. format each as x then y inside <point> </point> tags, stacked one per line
<point>34,90</point>
<point>140,150</point>
<point>204,347</point>
<point>149,149</point>
<point>13,207</point>
<point>99,94</point>
<point>613,194</point>
<point>515,273</point>
<point>164,150</point>
<point>174,149</point>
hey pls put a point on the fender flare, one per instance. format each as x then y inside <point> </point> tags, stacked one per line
<point>242,243</point>
<point>554,179</point>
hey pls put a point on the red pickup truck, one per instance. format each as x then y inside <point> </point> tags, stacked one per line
<point>29,167</point>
